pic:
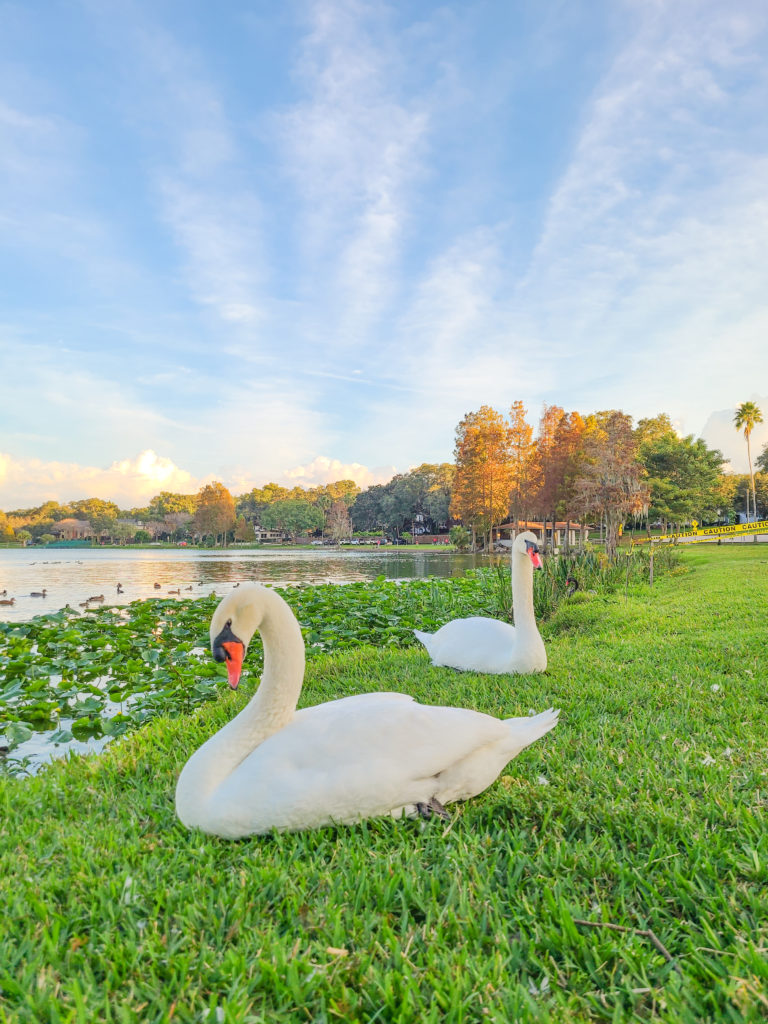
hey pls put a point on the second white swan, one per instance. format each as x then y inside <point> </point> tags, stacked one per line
<point>273,767</point>
<point>478,644</point>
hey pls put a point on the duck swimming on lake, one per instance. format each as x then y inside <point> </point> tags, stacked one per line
<point>375,754</point>
<point>39,593</point>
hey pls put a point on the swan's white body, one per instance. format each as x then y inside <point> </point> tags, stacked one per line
<point>478,644</point>
<point>273,767</point>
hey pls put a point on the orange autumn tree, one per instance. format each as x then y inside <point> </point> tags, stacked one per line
<point>569,462</point>
<point>558,463</point>
<point>523,456</point>
<point>215,515</point>
<point>545,469</point>
<point>612,480</point>
<point>484,473</point>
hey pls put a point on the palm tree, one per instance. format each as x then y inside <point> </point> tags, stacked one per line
<point>747,416</point>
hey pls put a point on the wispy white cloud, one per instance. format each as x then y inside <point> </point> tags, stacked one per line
<point>43,217</point>
<point>194,165</point>
<point>220,239</point>
<point>648,261</point>
<point>457,337</point>
<point>354,148</point>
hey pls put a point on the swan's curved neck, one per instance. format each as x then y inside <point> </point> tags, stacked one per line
<point>268,711</point>
<point>274,703</point>
<point>522,594</point>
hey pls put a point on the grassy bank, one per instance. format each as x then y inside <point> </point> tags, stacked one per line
<point>644,810</point>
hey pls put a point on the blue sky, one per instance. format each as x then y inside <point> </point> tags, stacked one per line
<point>299,241</point>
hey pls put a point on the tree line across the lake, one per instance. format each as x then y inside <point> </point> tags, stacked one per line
<point>596,469</point>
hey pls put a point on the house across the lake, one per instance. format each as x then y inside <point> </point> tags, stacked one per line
<point>263,535</point>
<point>72,529</point>
<point>574,532</point>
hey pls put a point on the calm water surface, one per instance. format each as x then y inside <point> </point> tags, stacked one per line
<point>72,575</point>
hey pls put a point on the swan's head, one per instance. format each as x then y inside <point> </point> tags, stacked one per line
<point>234,622</point>
<point>527,544</point>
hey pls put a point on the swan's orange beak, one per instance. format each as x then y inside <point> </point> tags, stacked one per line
<point>535,558</point>
<point>235,652</point>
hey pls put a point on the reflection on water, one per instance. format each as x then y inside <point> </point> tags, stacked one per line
<point>71,576</point>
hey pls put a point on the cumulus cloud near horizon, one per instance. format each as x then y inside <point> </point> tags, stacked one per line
<point>130,483</point>
<point>27,483</point>
<point>324,470</point>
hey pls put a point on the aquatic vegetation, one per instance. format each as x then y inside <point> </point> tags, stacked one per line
<point>113,669</point>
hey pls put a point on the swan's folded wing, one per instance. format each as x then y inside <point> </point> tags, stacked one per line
<point>475,644</point>
<point>400,737</point>
<point>350,759</point>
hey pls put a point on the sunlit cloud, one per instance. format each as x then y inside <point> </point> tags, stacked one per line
<point>323,470</point>
<point>130,483</point>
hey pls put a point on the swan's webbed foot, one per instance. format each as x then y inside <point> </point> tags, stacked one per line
<point>433,809</point>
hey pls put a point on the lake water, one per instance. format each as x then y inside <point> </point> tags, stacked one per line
<point>72,575</point>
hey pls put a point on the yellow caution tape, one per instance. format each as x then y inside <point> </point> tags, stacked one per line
<point>709,532</point>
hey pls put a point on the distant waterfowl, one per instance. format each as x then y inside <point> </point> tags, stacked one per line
<point>157,586</point>
<point>99,597</point>
<point>120,588</point>
<point>479,644</point>
<point>10,600</point>
<point>174,591</point>
<point>39,593</point>
<point>3,593</point>
<point>571,586</point>
<point>375,754</point>
<point>188,588</point>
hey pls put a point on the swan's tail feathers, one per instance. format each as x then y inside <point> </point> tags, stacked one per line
<point>423,638</point>
<point>525,731</point>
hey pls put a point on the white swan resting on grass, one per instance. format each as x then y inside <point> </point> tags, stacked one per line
<point>273,767</point>
<point>480,644</point>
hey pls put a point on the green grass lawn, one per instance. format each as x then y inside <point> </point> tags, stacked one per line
<point>645,809</point>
